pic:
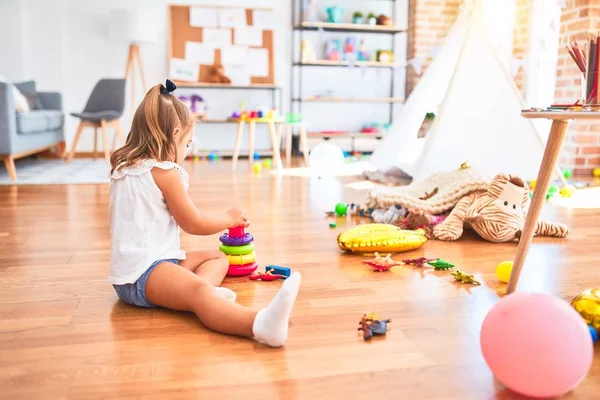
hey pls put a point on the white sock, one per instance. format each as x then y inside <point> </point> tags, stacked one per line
<point>271,323</point>
<point>225,293</point>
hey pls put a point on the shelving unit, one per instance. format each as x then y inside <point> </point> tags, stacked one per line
<point>298,98</point>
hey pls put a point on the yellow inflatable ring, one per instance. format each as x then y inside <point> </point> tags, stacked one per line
<point>383,238</point>
<point>242,259</point>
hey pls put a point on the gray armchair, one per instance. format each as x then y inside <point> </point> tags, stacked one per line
<point>26,133</point>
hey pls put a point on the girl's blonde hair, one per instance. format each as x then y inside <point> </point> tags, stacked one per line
<point>152,128</point>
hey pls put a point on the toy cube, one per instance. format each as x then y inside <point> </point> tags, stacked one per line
<point>276,269</point>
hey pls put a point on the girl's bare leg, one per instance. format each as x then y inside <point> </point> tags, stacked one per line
<point>171,286</point>
<point>212,266</point>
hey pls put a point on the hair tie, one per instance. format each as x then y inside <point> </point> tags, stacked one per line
<point>168,87</point>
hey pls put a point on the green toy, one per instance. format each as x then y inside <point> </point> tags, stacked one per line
<point>440,265</point>
<point>567,173</point>
<point>341,209</point>
<point>552,191</point>
<point>332,225</point>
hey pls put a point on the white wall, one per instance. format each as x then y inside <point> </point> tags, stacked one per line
<point>64,45</point>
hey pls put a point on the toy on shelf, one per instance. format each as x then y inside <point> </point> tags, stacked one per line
<point>463,277</point>
<point>239,248</point>
<point>217,75</point>
<point>384,20</point>
<point>350,49</point>
<point>307,51</point>
<point>333,51</point>
<point>334,14</point>
<point>371,324</point>
<point>256,167</point>
<point>362,52</point>
<point>310,13</point>
<point>357,17</point>
<point>385,56</point>
<point>567,173</point>
<point>385,238</point>
<point>372,18</point>
<point>267,163</point>
<point>381,264</point>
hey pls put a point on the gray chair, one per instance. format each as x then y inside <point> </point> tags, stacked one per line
<point>26,133</point>
<point>103,110</point>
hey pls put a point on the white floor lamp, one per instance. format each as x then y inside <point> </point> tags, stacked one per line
<point>134,27</point>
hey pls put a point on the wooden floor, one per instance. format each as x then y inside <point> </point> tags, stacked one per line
<point>65,335</point>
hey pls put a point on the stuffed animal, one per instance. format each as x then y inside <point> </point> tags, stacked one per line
<point>217,75</point>
<point>497,214</point>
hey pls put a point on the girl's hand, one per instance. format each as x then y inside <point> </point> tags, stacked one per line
<point>238,218</point>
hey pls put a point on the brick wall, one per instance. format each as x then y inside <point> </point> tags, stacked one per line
<point>581,151</point>
<point>521,39</point>
<point>429,22</point>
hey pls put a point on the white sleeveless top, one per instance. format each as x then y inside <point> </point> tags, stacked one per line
<point>142,230</point>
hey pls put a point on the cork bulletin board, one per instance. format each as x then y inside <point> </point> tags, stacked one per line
<point>182,35</point>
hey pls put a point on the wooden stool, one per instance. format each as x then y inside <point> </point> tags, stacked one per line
<point>251,136</point>
<point>289,132</point>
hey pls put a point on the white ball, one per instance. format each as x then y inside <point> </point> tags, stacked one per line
<point>325,156</point>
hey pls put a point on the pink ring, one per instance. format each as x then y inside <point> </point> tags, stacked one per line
<point>241,270</point>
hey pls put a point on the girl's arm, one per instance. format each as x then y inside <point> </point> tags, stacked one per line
<point>187,216</point>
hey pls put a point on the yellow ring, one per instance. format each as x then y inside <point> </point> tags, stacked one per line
<point>242,259</point>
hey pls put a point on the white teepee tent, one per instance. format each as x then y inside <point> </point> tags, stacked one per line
<point>479,112</point>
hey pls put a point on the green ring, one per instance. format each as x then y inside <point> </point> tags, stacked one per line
<point>237,250</point>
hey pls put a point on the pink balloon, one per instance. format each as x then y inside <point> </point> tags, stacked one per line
<point>536,345</point>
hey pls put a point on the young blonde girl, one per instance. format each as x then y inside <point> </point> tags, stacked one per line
<point>148,205</point>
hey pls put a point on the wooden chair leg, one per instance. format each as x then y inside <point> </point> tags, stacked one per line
<point>251,134</point>
<point>9,162</point>
<point>304,143</point>
<point>76,141</point>
<point>105,141</point>
<point>275,145</point>
<point>95,142</point>
<point>238,143</point>
<point>119,134</point>
<point>288,144</point>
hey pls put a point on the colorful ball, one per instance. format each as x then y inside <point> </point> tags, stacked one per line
<point>552,191</point>
<point>532,184</point>
<point>267,163</point>
<point>503,271</point>
<point>568,191</point>
<point>593,333</point>
<point>587,304</point>
<point>536,345</point>
<point>596,172</point>
<point>567,173</point>
<point>332,225</point>
<point>256,156</point>
<point>341,209</point>
<point>212,156</point>
<point>256,167</point>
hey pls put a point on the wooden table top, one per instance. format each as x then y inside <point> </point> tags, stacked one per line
<point>561,115</point>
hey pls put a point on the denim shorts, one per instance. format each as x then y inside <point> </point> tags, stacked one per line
<point>135,293</point>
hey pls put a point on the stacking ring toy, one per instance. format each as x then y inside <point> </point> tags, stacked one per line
<point>237,250</point>
<point>228,240</point>
<point>242,259</point>
<point>241,270</point>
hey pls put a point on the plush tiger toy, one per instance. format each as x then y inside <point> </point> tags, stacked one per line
<point>497,214</point>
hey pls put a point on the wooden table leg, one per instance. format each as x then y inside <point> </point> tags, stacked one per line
<point>275,145</point>
<point>288,144</point>
<point>251,136</point>
<point>238,143</point>
<point>555,141</point>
